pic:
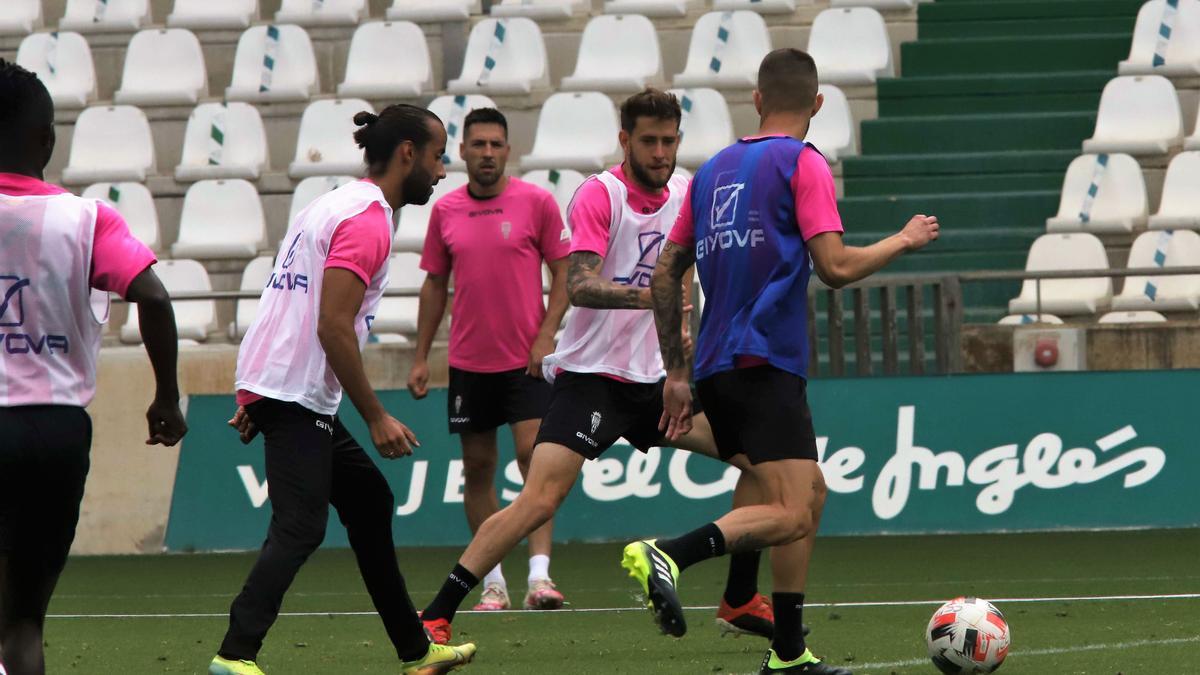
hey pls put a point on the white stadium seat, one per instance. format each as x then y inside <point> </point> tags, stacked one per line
<point>537,9</point>
<point>851,46</point>
<point>321,12</point>
<point>1179,207</point>
<point>618,53</point>
<point>423,11</point>
<point>451,110</point>
<point>1078,251</point>
<point>575,131</point>
<point>1138,115</point>
<point>110,143</point>
<point>1171,293</point>
<point>312,187</point>
<point>63,62</point>
<point>706,127</point>
<point>213,14</point>
<point>725,51</point>
<point>1144,316</point>
<point>163,67</point>
<point>1177,55</point>
<point>135,204</point>
<point>20,17</point>
<point>193,318</point>
<point>220,219</point>
<point>833,130</point>
<point>325,145</point>
<point>414,218</point>
<point>649,8</point>
<point>399,315</point>
<point>760,6</point>
<point>223,140</point>
<point>90,16</point>
<point>876,4</point>
<point>254,278</point>
<point>1028,319</point>
<point>1101,193</point>
<point>388,59</point>
<point>560,183</point>
<point>503,56</point>
<point>289,75</point>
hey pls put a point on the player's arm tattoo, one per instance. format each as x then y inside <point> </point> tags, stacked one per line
<point>667,293</point>
<point>586,288</point>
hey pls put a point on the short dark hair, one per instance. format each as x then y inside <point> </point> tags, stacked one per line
<point>26,113</point>
<point>485,116</point>
<point>379,135</point>
<point>787,81</point>
<point>650,102</point>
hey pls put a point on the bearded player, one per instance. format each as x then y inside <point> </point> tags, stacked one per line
<point>607,371</point>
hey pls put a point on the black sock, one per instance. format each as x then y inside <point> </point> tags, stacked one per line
<point>454,590</point>
<point>742,583</point>
<point>699,544</point>
<point>789,625</point>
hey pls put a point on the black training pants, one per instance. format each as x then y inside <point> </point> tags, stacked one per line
<point>313,462</point>
<point>43,466</point>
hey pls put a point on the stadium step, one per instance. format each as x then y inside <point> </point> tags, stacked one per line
<point>1010,54</point>
<point>955,172</point>
<point>992,93</point>
<point>957,212</point>
<point>973,18</point>
<point>965,240</point>
<point>976,133</point>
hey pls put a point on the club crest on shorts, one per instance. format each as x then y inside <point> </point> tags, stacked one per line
<point>596,417</point>
<point>505,228</point>
<point>457,404</point>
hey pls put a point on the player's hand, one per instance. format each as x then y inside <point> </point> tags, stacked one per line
<point>244,426</point>
<point>542,347</point>
<point>166,423</point>
<point>418,379</point>
<point>920,231</point>
<point>677,408</point>
<point>392,438</point>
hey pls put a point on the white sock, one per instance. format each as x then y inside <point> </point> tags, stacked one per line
<point>539,567</point>
<point>495,577</point>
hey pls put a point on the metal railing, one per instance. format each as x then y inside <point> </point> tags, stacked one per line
<point>894,296</point>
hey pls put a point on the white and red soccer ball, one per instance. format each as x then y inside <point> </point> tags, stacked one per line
<point>967,636</point>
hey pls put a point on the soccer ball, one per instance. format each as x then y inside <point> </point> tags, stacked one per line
<point>967,635</point>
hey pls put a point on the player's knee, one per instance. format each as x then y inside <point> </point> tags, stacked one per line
<point>479,474</point>
<point>797,523</point>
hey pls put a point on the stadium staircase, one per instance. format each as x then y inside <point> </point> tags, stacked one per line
<point>995,100</point>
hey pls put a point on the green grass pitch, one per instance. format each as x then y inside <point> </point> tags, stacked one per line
<point>165,614</point>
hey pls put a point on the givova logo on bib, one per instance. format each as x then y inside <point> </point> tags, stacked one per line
<point>12,308</point>
<point>722,216</point>
<point>12,315</point>
<point>725,203</point>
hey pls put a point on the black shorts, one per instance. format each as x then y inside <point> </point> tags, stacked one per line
<point>43,466</point>
<point>480,402</point>
<point>589,412</point>
<point>760,411</point>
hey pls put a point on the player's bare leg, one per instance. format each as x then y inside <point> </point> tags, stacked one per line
<point>542,593</point>
<point>743,610</point>
<point>479,471</point>
<point>552,474</point>
<point>480,502</point>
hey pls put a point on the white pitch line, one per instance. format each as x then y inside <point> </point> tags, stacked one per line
<point>596,610</point>
<point>1050,651</point>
